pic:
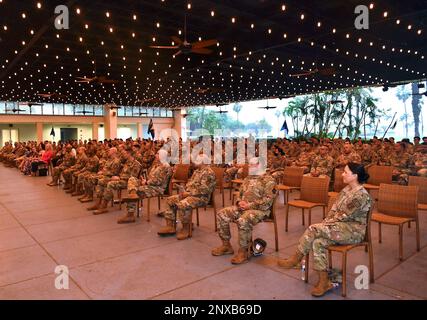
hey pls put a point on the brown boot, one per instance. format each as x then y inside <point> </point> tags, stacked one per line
<point>95,206</point>
<point>169,230</point>
<point>292,262</point>
<point>242,256</point>
<point>226,248</point>
<point>323,286</point>
<point>184,233</point>
<point>72,189</point>
<point>78,192</point>
<point>102,208</point>
<point>128,218</point>
<point>87,199</point>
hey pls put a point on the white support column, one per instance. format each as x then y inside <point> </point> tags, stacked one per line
<point>95,129</point>
<point>39,129</point>
<point>139,130</point>
<point>110,121</point>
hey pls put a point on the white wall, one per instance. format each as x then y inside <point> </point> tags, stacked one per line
<point>131,128</point>
<point>26,131</point>
<point>84,131</point>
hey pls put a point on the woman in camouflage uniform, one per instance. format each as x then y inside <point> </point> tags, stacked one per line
<point>344,224</point>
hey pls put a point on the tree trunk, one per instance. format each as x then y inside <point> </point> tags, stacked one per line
<point>406,120</point>
<point>416,108</point>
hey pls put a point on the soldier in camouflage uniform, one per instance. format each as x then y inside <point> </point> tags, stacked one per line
<point>68,161</point>
<point>112,168</point>
<point>401,161</point>
<point>384,154</point>
<point>91,168</point>
<point>277,164</point>
<point>419,167</point>
<point>80,164</point>
<point>347,156</point>
<point>130,170</point>
<point>368,156</point>
<point>155,185</point>
<point>256,196</point>
<point>344,224</point>
<point>323,164</point>
<point>196,194</point>
<point>304,159</point>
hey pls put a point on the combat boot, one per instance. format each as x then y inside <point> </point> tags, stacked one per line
<point>78,192</point>
<point>292,262</point>
<point>242,256</point>
<point>72,189</point>
<point>226,248</point>
<point>102,207</point>
<point>323,286</point>
<point>169,230</point>
<point>184,233</point>
<point>128,218</point>
<point>95,206</point>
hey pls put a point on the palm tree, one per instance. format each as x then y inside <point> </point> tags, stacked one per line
<point>403,95</point>
<point>416,107</point>
<point>278,113</point>
<point>237,108</point>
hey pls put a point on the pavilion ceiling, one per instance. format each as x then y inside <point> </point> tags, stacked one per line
<point>261,46</point>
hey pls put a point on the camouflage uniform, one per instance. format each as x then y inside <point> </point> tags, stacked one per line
<point>258,191</point>
<point>130,170</point>
<point>156,184</point>
<point>68,161</point>
<point>277,167</point>
<point>91,167</point>
<point>401,163</point>
<point>200,187</point>
<point>344,224</point>
<point>112,168</point>
<point>304,161</point>
<point>345,159</point>
<point>420,164</point>
<point>80,164</point>
<point>323,165</point>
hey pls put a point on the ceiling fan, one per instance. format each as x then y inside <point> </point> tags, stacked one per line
<point>336,101</point>
<point>220,110</point>
<point>144,101</point>
<point>185,47</point>
<point>96,79</point>
<point>52,95</point>
<point>84,112</point>
<point>14,110</point>
<point>208,90</point>
<point>322,72</point>
<point>30,104</point>
<point>267,107</point>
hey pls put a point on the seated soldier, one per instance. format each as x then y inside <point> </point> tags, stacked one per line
<point>256,196</point>
<point>344,224</point>
<point>130,169</point>
<point>196,194</point>
<point>323,164</point>
<point>155,185</point>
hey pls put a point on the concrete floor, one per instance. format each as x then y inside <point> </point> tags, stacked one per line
<point>42,227</point>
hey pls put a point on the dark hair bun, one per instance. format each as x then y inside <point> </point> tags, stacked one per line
<point>359,169</point>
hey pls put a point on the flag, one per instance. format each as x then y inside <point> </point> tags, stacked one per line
<point>52,132</point>
<point>285,127</point>
<point>394,126</point>
<point>151,129</point>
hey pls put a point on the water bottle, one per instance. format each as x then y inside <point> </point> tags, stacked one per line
<point>303,269</point>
